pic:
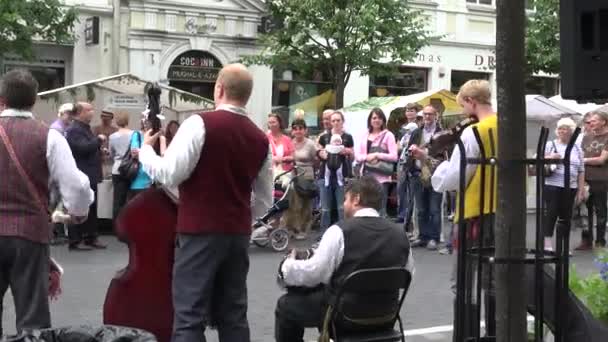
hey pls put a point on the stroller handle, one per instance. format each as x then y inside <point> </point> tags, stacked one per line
<point>294,169</point>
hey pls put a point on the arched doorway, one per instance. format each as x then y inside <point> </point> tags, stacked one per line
<point>195,71</point>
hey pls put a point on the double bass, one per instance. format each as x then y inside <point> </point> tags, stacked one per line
<point>139,295</point>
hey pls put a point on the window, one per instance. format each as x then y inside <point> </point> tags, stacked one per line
<point>150,20</point>
<point>545,86</point>
<point>48,77</point>
<point>461,77</point>
<point>171,22</point>
<point>312,93</point>
<point>481,2</point>
<point>407,81</point>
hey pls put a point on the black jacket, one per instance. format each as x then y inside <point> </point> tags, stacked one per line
<point>85,149</point>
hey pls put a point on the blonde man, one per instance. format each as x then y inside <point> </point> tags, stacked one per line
<point>475,98</point>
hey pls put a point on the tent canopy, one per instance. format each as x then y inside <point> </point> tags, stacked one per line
<point>124,92</point>
<point>539,108</point>
<point>581,108</point>
<point>388,104</point>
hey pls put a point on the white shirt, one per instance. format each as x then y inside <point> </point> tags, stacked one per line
<point>447,174</point>
<point>183,154</point>
<point>326,259</point>
<point>73,185</point>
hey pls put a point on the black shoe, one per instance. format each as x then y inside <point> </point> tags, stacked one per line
<point>79,246</point>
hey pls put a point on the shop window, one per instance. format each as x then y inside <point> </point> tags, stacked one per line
<point>461,77</point>
<point>481,2</point>
<point>545,86</point>
<point>313,93</point>
<point>48,78</point>
<point>407,81</point>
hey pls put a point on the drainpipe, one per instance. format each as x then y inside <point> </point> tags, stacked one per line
<point>116,38</point>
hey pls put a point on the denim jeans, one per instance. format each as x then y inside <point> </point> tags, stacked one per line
<point>428,204</point>
<point>402,185</point>
<point>328,193</point>
<point>385,189</point>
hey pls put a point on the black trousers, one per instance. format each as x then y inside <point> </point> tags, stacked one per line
<point>558,204</point>
<point>24,267</point>
<point>121,188</point>
<point>296,311</point>
<point>210,287</point>
<point>88,230</point>
<point>596,204</point>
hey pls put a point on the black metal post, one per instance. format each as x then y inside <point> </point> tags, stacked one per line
<point>511,210</point>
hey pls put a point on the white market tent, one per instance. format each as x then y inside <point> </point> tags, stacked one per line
<point>581,108</point>
<point>124,92</point>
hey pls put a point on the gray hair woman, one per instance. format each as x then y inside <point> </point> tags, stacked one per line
<point>559,201</point>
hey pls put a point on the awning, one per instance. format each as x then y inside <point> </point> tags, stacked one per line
<point>124,92</point>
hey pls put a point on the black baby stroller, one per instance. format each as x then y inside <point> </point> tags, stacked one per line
<point>267,229</point>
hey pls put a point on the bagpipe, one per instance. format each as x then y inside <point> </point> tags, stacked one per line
<point>440,145</point>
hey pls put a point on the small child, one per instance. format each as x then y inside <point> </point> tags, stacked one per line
<point>335,160</point>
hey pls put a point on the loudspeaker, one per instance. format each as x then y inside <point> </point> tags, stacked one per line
<point>584,50</point>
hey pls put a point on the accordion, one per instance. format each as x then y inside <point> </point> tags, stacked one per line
<point>300,254</point>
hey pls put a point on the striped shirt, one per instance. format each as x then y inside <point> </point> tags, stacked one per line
<point>577,165</point>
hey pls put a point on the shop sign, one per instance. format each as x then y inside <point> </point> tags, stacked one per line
<point>126,101</point>
<point>428,58</point>
<point>91,31</point>
<point>192,74</point>
<point>195,66</point>
<point>488,61</point>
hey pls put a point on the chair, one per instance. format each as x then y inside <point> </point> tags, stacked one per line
<point>383,290</point>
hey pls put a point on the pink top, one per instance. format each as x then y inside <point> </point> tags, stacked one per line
<point>388,142</point>
<point>283,149</point>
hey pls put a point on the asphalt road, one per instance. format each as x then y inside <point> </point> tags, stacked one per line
<point>427,311</point>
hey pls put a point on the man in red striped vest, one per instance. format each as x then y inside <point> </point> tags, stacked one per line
<point>217,159</point>
<point>31,157</point>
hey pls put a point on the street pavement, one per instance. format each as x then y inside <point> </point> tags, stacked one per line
<point>427,312</point>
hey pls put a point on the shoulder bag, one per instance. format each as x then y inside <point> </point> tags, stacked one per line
<point>129,165</point>
<point>381,167</point>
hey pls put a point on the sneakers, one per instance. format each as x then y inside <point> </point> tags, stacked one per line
<point>418,243</point>
<point>431,245</point>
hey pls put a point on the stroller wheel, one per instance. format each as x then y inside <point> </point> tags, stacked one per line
<point>279,239</point>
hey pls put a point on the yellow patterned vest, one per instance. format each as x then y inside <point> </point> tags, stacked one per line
<point>472,199</point>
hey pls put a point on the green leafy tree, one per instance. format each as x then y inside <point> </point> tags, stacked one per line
<point>336,37</point>
<point>542,38</point>
<point>24,21</point>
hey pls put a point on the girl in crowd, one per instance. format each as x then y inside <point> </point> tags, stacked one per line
<point>333,180</point>
<point>557,206</point>
<point>378,145</point>
<point>143,181</point>
<point>280,144</point>
<point>299,214</point>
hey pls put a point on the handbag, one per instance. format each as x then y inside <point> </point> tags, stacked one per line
<point>547,169</point>
<point>129,165</point>
<point>381,167</point>
<point>306,188</point>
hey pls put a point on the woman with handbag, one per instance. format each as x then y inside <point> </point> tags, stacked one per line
<point>119,144</point>
<point>298,216</point>
<point>377,151</point>
<point>142,181</point>
<point>558,206</point>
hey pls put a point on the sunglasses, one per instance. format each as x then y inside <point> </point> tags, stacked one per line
<point>428,113</point>
<point>587,122</point>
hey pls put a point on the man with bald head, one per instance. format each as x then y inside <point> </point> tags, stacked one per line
<point>86,149</point>
<point>217,159</point>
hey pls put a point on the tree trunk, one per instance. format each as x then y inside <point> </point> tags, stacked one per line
<point>340,84</point>
<point>511,212</point>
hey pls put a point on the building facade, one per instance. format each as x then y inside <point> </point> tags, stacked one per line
<point>184,43</point>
